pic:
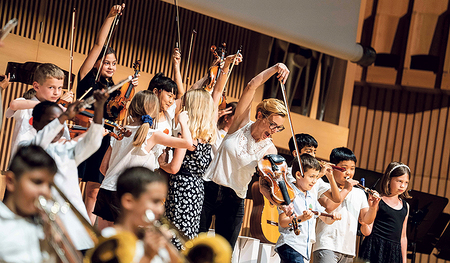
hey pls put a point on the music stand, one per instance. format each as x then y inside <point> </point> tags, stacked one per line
<point>442,245</point>
<point>424,209</point>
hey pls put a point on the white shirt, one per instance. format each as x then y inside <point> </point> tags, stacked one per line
<point>124,154</point>
<point>68,155</point>
<point>307,228</point>
<point>236,159</point>
<point>215,147</point>
<point>341,235</point>
<point>162,256</point>
<point>19,237</point>
<point>23,128</point>
<point>167,125</point>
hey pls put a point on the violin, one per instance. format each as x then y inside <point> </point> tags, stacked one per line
<point>82,122</point>
<point>117,106</point>
<point>215,70</point>
<point>273,169</point>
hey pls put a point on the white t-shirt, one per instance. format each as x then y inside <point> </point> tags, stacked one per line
<point>341,235</point>
<point>236,159</point>
<point>68,155</point>
<point>162,256</point>
<point>307,228</point>
<point>19,238</point>
<point>23,128</point>
<point>124,154</point>
<point>167,126</point>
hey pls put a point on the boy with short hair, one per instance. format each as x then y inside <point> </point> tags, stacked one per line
<point>337,242</point>
<point>30,175</point>
<point>292,247</point>
<point>49,120</point>
<point>48,83</point>
<point>140,192</point>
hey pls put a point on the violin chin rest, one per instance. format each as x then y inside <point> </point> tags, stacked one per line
<point>275,158</point>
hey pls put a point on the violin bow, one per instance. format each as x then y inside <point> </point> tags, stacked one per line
<point>69,79</point>
<point>194,33</point>
<point>178,44</point>
<point>232,66</point>
<point>283,91</point>
<point>108,40</point>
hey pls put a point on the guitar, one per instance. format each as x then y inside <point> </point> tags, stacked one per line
<point>264,218</point>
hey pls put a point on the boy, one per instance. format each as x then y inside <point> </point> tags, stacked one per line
<point>48,83</point>
<point>337,242</point>
<point>48,120</point>
<point>30,175</point>
<point>292,247</point>
<point>140,192</point>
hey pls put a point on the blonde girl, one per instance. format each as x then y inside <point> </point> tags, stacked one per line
<point>142,148</point>
<point>185,198</point>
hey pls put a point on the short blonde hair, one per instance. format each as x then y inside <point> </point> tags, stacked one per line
<point>47,70</point>
<point>271,106</point>
<point>202,115</point>
<point>143,103</point>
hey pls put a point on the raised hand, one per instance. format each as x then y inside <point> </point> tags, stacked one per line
<point>283,72</point>
<point>117,9</point>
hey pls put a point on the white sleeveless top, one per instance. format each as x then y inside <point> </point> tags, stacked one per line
<point>236,159</point>
<point>124,154</point>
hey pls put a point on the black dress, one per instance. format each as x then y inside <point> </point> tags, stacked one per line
<point>383,244</point>
<point>88,170</point>
<point>186,192</point>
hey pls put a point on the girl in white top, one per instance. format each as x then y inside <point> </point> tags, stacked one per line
<point>246,143</point>
<point>141,149</point>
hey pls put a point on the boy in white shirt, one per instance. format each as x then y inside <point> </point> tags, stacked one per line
<point>30,175</point>
<point>291,247</point>
<point>48,83</point>
<point>48,120</point>
<point>337,242</point>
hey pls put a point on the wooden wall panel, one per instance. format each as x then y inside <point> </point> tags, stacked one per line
<point>408,126</point>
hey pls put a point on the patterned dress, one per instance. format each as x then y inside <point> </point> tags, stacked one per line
<point>186,192</point>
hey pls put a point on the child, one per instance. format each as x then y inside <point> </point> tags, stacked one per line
<point>186,191</point>
<point>387,240</point>
<point>226,118</point>
<point>89,170</point>
<point>48,120</point>
<point>139,190</point>
<point>337,242</point>
<point>30,175</point>
<point>141,149</point>
<point>292,247</point>
<point>48,83</point>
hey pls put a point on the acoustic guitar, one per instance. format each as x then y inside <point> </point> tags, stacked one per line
<point>264,218</point>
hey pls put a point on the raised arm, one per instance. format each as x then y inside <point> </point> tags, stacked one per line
<point>89,62</point>
<point>222,78</point>
<point>242,113</point>
<point>176,62</point>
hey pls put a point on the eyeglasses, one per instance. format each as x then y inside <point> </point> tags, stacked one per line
<point>273,126</point>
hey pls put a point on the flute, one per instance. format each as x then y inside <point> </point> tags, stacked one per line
<point>341,169</point>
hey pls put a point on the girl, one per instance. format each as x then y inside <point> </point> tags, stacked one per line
<point>185,198</point>
<point>386,241</point>
<point>246,143</point>
<point>89,169</point>
<point>142,148</point>
<point>226,118</point>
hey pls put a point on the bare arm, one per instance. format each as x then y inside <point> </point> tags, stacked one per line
<point>367,215</point>
<point>333,194</point>
<point>176,61</point>
<point>404,239</point>
<point>222,78</point>
<point>22,104</point>
<point>242,112</point>
<point>89,62</point>
<point>366,229</point>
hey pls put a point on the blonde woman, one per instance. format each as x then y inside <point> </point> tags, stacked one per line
<point>142,148</point>
<point>246,143</point>
<point>185,198</point>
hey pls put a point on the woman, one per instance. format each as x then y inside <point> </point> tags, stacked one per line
<point>247,142</point>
